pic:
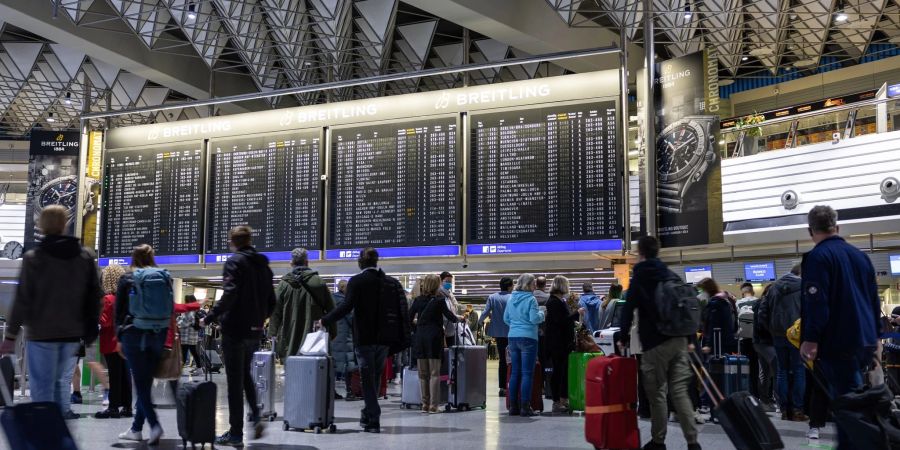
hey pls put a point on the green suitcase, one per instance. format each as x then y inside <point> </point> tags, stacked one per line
<point>577,367</point>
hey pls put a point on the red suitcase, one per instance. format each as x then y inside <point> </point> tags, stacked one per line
<point>537,387</point>
<point>610,398</point>
<point>356,381</point>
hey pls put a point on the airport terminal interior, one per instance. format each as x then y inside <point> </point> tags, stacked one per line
<point>492,153</point>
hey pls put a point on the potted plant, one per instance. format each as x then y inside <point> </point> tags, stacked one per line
<point>750,131</point>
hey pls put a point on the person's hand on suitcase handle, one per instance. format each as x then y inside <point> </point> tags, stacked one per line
<point>809,350</point>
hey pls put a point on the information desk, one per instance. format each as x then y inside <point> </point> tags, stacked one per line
<point>272,184</point>
<point>545,175</point>
<point>153,196</point>
<point>395,186</point>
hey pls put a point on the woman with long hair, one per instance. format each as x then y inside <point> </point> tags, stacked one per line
<point>427,314</point>
<point>119,378</point>
<point>523,317</point>
<point>559,333</point>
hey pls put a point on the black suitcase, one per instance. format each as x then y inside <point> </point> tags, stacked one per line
<point>195,411</point>
<point>7,375</point>
<point>34,426</point>
<point>740,414</point>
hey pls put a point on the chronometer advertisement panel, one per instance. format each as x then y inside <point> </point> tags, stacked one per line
<point>689,203</point>
<point>53,178</point>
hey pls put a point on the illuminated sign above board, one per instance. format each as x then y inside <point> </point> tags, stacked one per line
<point>807,107</point>
<point>697,274</point>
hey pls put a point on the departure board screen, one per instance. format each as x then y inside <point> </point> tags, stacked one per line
<point>153,196</point>
<point>545,175</point>
<point>395,186</point>
<point>272,184</point>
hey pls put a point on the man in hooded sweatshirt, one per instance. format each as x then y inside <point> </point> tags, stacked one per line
<point>247,302</point>
<point>301,298</point>
<point>591,304</point>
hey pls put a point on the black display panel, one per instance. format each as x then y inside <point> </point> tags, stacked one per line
<point>152,196</point>
<point>395,185</point>
<point>272,184</point>
<point>544,174</point>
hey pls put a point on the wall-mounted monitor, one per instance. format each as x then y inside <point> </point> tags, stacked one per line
<point>895,264</point>
<point>761,271</point>
<point>693,274</point>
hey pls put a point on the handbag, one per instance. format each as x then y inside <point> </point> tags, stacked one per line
<point>584,342</point>
<point>315,344</point>
<point>169,367</point>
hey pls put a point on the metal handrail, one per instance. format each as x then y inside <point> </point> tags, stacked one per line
<point>804,115</point>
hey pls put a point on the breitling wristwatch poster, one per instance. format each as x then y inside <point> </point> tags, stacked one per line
<point>52,178</point>
<point>689,194</point>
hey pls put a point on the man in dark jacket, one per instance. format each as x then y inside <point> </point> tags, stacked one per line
<point>380,327</point>
<point>841,309</point>
<point>664,362</point>
<point>779,312</point>
<point>247,302</point>
<point>764,346</point>
<point>58,300</point>
<point>301,298</point>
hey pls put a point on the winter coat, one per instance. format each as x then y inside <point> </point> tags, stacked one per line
<point>108,339</point>
<point>362,299</point>
<point>301,298</point>
<point>248,298</point>
<point>430,314</point>
<point>523,315</point>
<point>494,308</point>
<point>560,327</point>
<point>720,315</point>
<point>647,274</point>
<point>591,305</point>
<point>782,306</point>
<point>342,344</point>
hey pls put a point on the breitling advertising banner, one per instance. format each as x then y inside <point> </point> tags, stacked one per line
<point>52,178</point>
<point>689,194</point>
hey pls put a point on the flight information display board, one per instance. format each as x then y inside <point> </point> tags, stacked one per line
<point>152,196</point>
<point>395,187</point>
<point>272,184</point>
<point>545,180</point>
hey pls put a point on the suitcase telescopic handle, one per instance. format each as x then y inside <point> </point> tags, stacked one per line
<point>4,391</point>
<point>706,380</point>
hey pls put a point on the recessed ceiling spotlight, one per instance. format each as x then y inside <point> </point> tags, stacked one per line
<point>744,58</point>
<point>50,118</point>
<point>192,13</point>
<point>687,12</point>
<point>68,98</point>
<point>840,17</point>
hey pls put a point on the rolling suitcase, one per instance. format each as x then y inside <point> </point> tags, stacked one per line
<point>610,420</point>
<point>35,425</point>
<point>356,385</point>
<point>577,369</point>
<point>740,414</point>
<point>468,377</point>
<point>195,412</point>
<point>309,393</point>
<point>730,372</point>
<point>410,391</point>
<point>7,375</point>
<point>537,399</point>
<point>262,371</point>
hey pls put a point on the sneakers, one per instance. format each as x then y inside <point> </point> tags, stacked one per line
<point>426,409</point>
<point>698,418</point>
<point>338,396</point>
<point>502,393</point>
<point>559,408</point>
<point>126,412</point>
<point>131,435</point>
<point>813,433</point>
<point>105,397</point>
<point>653,446</point>
<point>229,440</point>
<point>156,434</point>
<point>435,410</point>
<point>107,414</point>
<point>76,398</point>
<point>704,410</point>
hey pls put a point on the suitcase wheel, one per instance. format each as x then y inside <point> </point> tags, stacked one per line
<point>272,417</point>
<point>287,426</point>
<point>332,428</point>
<point>448,408</point>
<point>318,430</point>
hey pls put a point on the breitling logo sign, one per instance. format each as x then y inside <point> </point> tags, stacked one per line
<point>189,129</point>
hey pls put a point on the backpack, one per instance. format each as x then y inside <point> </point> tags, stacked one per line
<point>678,307</point>
<point>392,322</point>
<point>784,308</point>
<point>151,302</point>
<point>745,322</point>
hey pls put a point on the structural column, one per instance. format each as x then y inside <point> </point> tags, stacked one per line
<point>649,122</point>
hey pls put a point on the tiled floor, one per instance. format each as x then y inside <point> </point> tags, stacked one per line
<point>408,429</point>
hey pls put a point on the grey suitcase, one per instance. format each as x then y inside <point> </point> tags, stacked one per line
<point>468,377</point>
<point>309,393</point>
<point>411,391</point>
<point>262,371</point>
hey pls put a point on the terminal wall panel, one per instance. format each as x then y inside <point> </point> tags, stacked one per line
<point>765,197</point>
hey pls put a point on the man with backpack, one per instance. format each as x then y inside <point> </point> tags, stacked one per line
<point>657,294</point>
<point>381,327</point>
<point>248,300</point>
<point>745,310</point>
<point>779,312</point>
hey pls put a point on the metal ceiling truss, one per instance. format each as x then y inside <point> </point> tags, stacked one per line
<point>752,38</point>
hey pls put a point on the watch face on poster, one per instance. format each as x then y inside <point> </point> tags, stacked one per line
<point>680,148</point>
<point>61,191</point>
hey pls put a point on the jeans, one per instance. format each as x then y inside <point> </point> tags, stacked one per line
<point>193,352</point>
<point>142,349</point>
<point>237,356</point>
<point>790,368</point>
<point>767,370</point>
<point>371,367</point>
<point>502,343</point>
<point>48,364</point>
<point>430,382</point>
<point>523,354</point>
<point>666,370</point>
<point>559,380</point>
<point>843,375</point>
<point>119,382</point>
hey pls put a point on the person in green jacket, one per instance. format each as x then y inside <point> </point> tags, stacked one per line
<point>301,298</point>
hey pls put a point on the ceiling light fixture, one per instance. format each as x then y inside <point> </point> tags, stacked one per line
<point>745,58</point>
<point>50,118</point>
<point>192,14</point>
<point>68,98</point>
<point>841,17</point>
<point>687,12</point>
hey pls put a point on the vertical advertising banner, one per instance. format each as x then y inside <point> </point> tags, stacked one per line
<point>52,178</point>
<point>91,188</point>
<point>689,194</point>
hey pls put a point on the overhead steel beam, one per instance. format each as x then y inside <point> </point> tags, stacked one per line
<point>531,26</point>
<point>186,74</point>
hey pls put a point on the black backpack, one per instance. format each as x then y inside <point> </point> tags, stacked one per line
<point>392,321</point>
<point>678,307</point>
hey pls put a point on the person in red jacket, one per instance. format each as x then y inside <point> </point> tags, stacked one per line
<point>119,378</point>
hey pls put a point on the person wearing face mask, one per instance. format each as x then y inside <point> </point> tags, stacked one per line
<point>446,292</point>
<point>719,316</point>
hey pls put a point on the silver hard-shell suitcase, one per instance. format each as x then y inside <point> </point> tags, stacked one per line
<point>309,393</point>
<point>468,377</point>
<point>411,391</point>
<point>262,370</point>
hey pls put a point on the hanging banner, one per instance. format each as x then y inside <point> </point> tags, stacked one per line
<point>91,188</point>
<point>52,178</point>
<point>689,194</point>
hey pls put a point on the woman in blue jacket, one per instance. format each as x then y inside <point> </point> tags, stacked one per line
<point>523,317</point>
